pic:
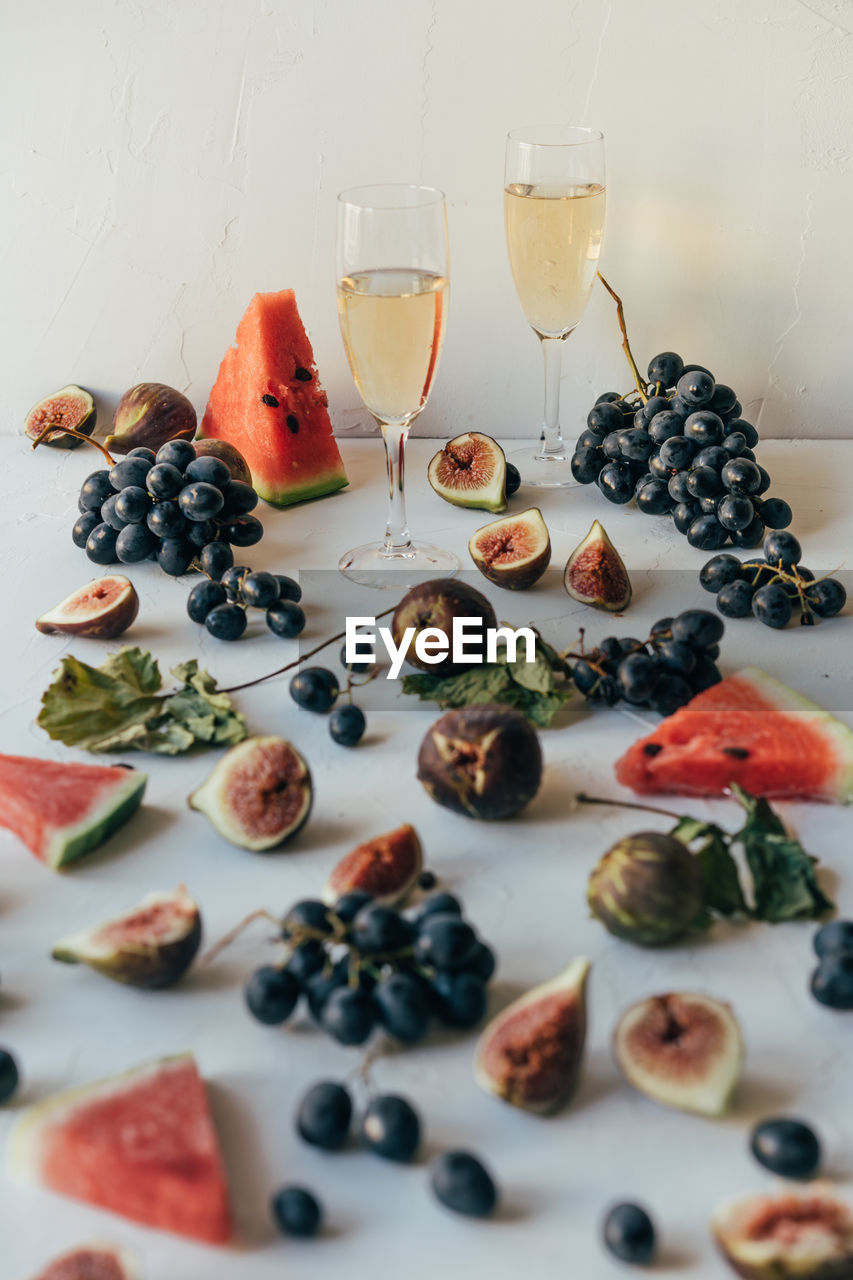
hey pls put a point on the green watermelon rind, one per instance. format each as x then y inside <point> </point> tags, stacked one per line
<point>22,1152</point>
<point>319,487</point>
<point>112,810</point>
<point>785,699</point>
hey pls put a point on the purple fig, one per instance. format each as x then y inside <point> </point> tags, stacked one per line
<point>148,415</point>
<point>530,1055</point>
<point>481,761</point>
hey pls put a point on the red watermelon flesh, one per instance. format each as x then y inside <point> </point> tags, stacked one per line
<point>750,729</point>
<point>286,439</point>
<point>91,1262</point>
<point>141,1144</point>
<point>61,811</point>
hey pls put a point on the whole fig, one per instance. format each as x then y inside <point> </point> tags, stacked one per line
<point>481,761</point>
<point>435,604</point>
<point>148,415</point>
<point>647,889</point>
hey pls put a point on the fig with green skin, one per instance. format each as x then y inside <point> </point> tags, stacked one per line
<point>102,610</point>
<point>481,761</point>
<point>513,552</point>
<point>259,795</point>
<point>595,573</point>
<point>71,408</point>
<point>152,945</point>
<point>792,1235</point>
<point>530,1054</point>
<point>435,604</point>
<point>682,1049</point>
<point>470,471</point>
<point>647,889</point>
<point>148,415</point>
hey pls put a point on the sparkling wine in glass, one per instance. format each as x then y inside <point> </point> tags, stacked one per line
<point>554,198</point>
<point>392,267</point>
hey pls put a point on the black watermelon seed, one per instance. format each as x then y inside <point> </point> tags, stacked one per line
<point>303,375</point>
<point>293,422</point>
<point>652,749</point>
<point>739,753</point>
<point>271,401</point>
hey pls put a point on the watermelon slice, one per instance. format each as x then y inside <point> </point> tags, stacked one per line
<point>92,1262</point>
<point>749,729</point>
<point>267,401</point>
<point>141,1144</point>
<point>62,811</point>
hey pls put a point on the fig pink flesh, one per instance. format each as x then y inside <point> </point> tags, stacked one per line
<point>146,925</point>
<point>532,1054</point>
<point>511,543</point>
<point>85,1264</point>
<point>676,1040</point>
<point>266,793</point>
<point>595,574</point>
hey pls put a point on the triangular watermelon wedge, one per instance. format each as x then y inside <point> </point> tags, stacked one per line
<point>750,729</point>
<point>141,1144</point>
<point>62,811</point>
<point>94,1261</point>
<point>267,401</point>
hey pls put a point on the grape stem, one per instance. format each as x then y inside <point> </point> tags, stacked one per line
<point>78,435</point>
<point>288,666</point>
<point>582,798</point>
<point>231,936</point>
<point>626,346</point>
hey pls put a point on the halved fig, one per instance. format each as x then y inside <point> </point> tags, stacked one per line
<point>470,471</point>
<point>793,1235</point>
<point>595,573</point>
<point>259,795</point>
<point>513,552</point>
<point>386,867</point>
<point>435,604</point>
<point>227,453</point>
<point>96,1261</point>
<point>103,609</point>
<point>482,761</point>
<point>682,1049</point>
<point>72,407</point>
<point>151,945</point>
<point>530,1055</point>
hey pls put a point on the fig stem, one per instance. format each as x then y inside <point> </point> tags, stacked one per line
<point>247,684</point>
<point>626,346</point>
<point>232,934</point>
<point>78,435</point>
<point>583,798</point>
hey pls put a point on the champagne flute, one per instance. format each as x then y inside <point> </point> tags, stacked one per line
<point>554,196</point>
<point>392,269</point>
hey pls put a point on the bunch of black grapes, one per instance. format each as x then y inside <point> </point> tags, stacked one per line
<point>685,452</point>
<point>172,507</point>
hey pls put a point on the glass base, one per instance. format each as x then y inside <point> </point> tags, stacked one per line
<point>552,471</point>
<point>372,566</point>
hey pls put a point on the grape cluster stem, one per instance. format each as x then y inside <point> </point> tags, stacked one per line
<point>626,346</point>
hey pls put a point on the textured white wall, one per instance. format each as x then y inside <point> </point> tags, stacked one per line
<point>162,161</point>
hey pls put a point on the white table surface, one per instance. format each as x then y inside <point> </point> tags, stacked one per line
<point>523,884</point>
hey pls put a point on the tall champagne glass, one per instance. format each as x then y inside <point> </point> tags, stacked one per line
<point>392,268</point>
<point>554,196</point>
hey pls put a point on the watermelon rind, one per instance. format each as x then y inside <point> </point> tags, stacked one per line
<point>127,1262</point>
<point>112,811</point>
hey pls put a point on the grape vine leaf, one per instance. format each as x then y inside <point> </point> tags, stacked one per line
<point>530,687</point>
<point>785,885</point>
<point>119,707</point>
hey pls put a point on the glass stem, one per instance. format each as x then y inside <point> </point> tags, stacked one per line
<point>552,439</point>
<point>397,536</point>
